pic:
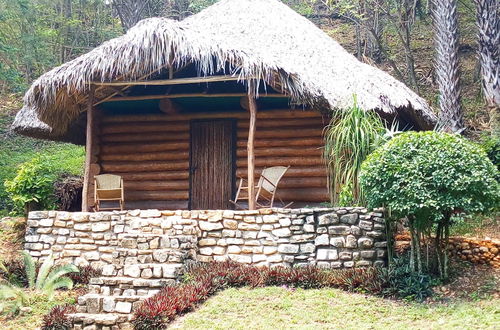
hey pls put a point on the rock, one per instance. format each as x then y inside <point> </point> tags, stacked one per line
<point>337,241</point>
<point>230,224</point>
<point>207,251</point>
<point>349,218</point>
<point>282,232</point>
<point>131,270</point>
<point>108,270</point>
<point>327,254</point>
<point>351,242</point>
<point>288,248</point>
<point>367,254</point>
<point>345,255</point>
<point>147,273</point>
<point>207,242</point>
<point>244,259</point>
<point>269,249</point>
<point>339,230</point>
<point>123,307</point>
<point>285,222</point>
<point>322,240</point>
<point>365,242</point>
<point>46,223</point>
<point>309,228</point>
<point>327,219</point>
<point>83,226</point>
<point>209,226</point>
<point>100,226</point>
<point>108,304</point>
<point>307,248</point>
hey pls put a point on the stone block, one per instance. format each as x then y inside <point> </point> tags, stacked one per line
<point>46,222</point>
<point>365,242</point>
<point>275,258</point>
<point>244,259</point>
<point>108,304</point>
<point>288,248</point>
<point>309,228</point>
<point>258,258</point>
<point>285,222</point>
<point>282,232</point>
<point>327,254</point>
<point>339,230</point>
<point>206,251</point>
<point>147,273</point>
<point>210,226</point>
<point>351,242</point>
<point>83,226</point>
<point>131,270</point>
<point>123,307</point>
<point>327,219</point>
<point>322,240</point>
<point>248,226</point>
<point>307,248</point>
<point>349,218</point>
<point>345,255</point>
<point>93,255</point>
<point>207,242</point>
<point>369,254</point>
<point>160,255</point>
<point>100,226</point>
<point>337,241</point>
<point>270,218</point>
<point>230,224</point>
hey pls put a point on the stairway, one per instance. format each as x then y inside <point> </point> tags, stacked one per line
<point>143,263</point>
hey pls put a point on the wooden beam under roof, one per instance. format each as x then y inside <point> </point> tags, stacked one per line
<point>177,81</point>
<point>183,95</point>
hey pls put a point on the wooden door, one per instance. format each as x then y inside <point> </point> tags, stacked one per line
<point>212,164</point>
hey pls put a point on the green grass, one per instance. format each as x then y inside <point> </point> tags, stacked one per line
<point>40,306</point>
<point>279,308</point>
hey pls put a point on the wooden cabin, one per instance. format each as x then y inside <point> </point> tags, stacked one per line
<point>182,109</point>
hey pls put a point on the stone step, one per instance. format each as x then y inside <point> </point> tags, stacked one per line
<point>127,303</point>
<point>146,270</point>
<point>108,321</point>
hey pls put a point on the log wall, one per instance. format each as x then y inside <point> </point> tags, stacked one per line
<point>151,153</point>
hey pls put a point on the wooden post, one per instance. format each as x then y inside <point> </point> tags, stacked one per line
<point>250,143</point>
<point>88,150</point>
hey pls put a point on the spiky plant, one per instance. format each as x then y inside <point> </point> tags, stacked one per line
<point>488,23</point>
<point>351,135</point>
<point>444,14</point>
<point>48,279</point>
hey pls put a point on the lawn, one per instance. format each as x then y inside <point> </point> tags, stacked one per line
<point>279,308</point>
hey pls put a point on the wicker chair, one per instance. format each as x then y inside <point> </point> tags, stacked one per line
<point>265,188</point>
<point>108,187</point>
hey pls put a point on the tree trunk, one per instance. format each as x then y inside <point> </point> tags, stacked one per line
<point>444,13</point>
<point>488,22</point>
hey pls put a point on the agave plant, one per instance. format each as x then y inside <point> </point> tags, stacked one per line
<point>48,279</point>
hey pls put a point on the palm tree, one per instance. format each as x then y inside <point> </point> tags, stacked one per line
<point>444,13</point>
<point>488,23</point>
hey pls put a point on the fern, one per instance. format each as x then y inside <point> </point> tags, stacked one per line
<point>30,268</point>
<point>44,271</point>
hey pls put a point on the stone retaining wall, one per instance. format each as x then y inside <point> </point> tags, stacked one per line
<point>337,237</point>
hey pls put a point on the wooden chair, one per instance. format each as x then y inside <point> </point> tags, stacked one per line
<point>108,187</point>
<point>265,188</point>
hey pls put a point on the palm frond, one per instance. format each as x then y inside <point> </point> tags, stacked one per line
<point>44,271</point>
<point>57,272</point>
<point>30,268</point>
<point>61,282</point>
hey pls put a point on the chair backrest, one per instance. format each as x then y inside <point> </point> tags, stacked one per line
<point>108,181</point>
<point>272,175</point>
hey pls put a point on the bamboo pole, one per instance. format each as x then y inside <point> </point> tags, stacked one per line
<point>250,147</point>
<point>88,149</point>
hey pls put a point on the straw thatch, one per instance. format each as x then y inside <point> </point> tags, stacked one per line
<point>258,38</point>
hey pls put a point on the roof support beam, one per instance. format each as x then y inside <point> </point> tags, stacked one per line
<point>162,82</point>
<point>184,95</point>
<point>250,148</point>
<point>88,150</point>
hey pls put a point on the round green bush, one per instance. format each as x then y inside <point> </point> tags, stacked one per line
<point>429,174</point>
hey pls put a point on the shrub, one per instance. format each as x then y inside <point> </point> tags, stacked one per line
<point>491,145</point>
<point>32,187</point>
<point>57,318</point>
<point>84,275</point>
<point>428,177</point>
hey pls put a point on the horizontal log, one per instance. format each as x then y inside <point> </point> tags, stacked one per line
<point>137,157</point>
<point>118,167</point>
<point>156,195</point>
<point>294,172</point>
<point>115,148</point>
<point>281,133</point>
<point>156,185</point>
<point>280,122</point>
<point>292,151</point>
<point>282,161</point>
<point>149,137</point>
<point>279,114</point>
<point>160,205</point>
<point>312,182</point>
<point>303,195</point>
<point>182,126</point>
<point>161,82</point>
<point>158,176</point>
<point>283,142</point>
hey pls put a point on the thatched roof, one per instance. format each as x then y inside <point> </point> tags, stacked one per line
<point>258,38</point>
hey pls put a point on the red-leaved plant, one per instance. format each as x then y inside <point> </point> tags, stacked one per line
<point>57,318</point>
<point>204,279</point>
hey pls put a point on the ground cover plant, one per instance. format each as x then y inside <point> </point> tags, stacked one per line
<point>429,178</point>
<point>203,280</point>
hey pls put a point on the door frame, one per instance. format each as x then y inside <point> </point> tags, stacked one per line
<point>234,143</point>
